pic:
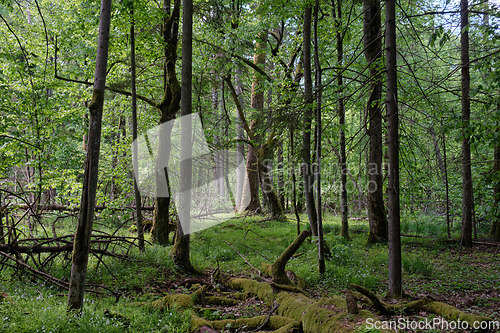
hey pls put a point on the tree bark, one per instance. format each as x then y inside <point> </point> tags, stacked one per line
<point>467,189</point>
<point>344,209</point>
<point>319,89</point>
<point>240,148</point>
<point>137,194</point>
<point>495,227</point>
<point>256,103</point>
<point>307,174</point>
<point>395,284</point>
<point>180,250</point>
<point>169,106</point>
<point>84,229</point>
<point>373,53</point>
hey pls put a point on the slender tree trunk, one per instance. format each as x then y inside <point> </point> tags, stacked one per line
<point>281,180</point>
<point>307,173</point>
<point>467,190</point>
<point>240,148</point>
<point>395,284</point>
<point>83,233</point>
<point>2,234</point>
<point>373,53</point>
<point>256,103</point>
<point>169,106</point>
<point>291,161</point>
<point>495,227</point>
<point>180,250</point>
<point>137,194</point>
<point>344,209</point>
<point>319,88</point>
<point>447,194</point>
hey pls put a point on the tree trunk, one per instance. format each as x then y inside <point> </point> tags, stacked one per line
<point>2,234</point>
<point>84,229</point>
<point>447,189</point>
<point>137,194</point>
<point>495,228</point>
<point>344,209</point>
<point>169,106</point>
<point>373,53</point>
<point>256,103</point>
<point>467,190</point>
<point>281,179</point>
<point>395,285</point>
<point>306,136</point>
<point>180,250</point>
<point>240,148</point>
<point>319,89</point>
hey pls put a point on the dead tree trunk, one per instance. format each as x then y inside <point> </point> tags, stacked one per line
<point>84,229</point>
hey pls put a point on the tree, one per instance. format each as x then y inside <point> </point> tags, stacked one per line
<point>180,250</point>
<point>83,233</point>
<point>373,53</point>
<point>137,194</point>
<point>344,209</point>
<point>307,172</point>
<point>395,286</point>
<point>319,130</point>
<point>169,106</point>
<point>495,227</point>
<point>467,189</point>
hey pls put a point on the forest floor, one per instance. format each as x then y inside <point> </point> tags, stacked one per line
<point>433,267</point>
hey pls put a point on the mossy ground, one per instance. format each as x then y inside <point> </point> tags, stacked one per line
<point>432,267</point>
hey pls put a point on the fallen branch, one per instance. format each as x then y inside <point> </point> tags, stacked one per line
<point>248,263</point>
<point>373,298</point>
<point>276,305</point>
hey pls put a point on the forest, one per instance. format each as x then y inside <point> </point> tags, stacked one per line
<point>250,166</point>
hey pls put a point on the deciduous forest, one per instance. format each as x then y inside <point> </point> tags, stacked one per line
<point>249,166</point>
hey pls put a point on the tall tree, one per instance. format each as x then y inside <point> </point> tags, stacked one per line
<point>467,190</point>
<point>495,227</point>
<point>307,172</point>
<point>137,194</point>
<point>180,250</point>
<point>373,53</point>
<point>83,233</point>
<point>256,103</point>
<point>395,285</point>
<point>169,106</point>
<point>344,209</point>
<point>319,130</point>
<point>240,148</point>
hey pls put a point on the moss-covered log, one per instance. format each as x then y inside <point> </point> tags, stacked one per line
<point>314,315</point>
<point>277,323</point>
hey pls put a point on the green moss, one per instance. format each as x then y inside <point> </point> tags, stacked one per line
<point>174,300</point>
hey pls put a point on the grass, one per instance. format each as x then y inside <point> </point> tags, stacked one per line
<point>430,266</point>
